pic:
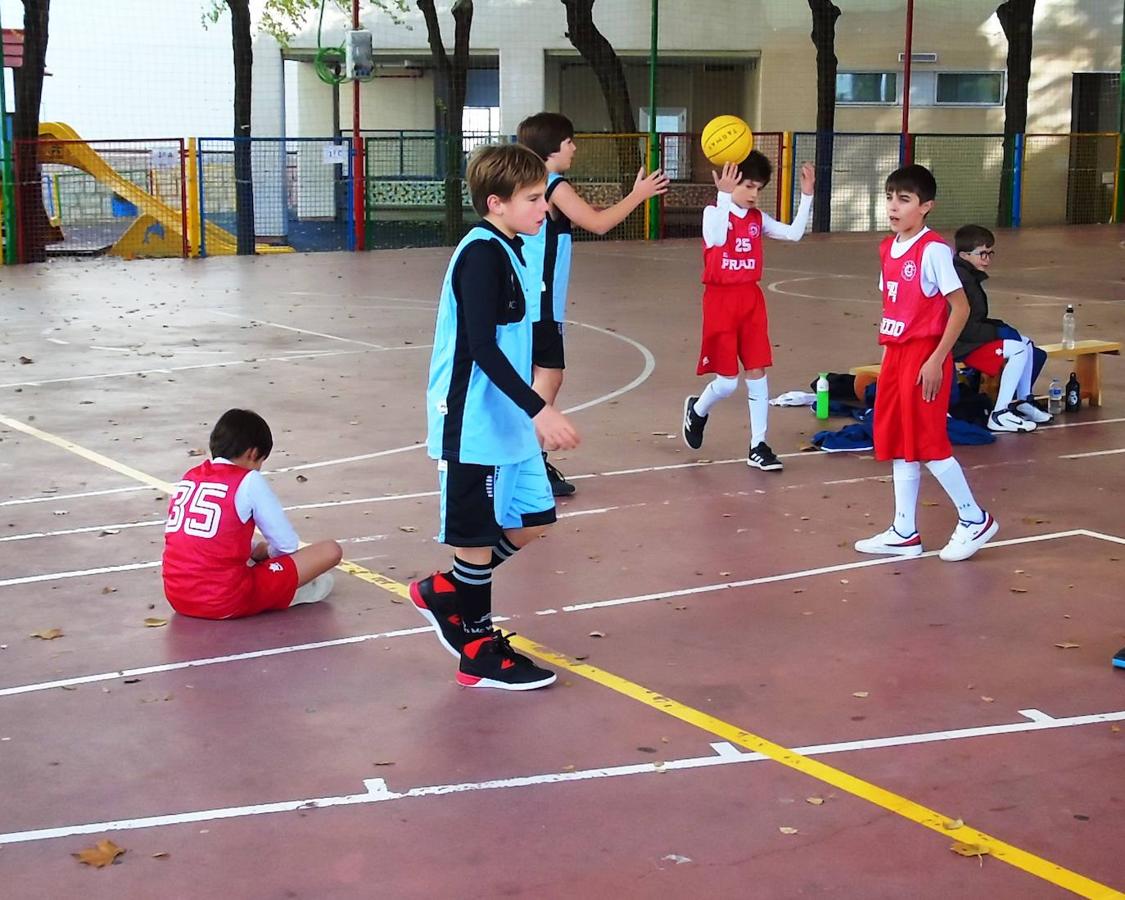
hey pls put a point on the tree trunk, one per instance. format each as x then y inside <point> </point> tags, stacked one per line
<point>243,147</point>
<point>824,16</point>
<point>599,54</point>
<point>33,224</point>
<point>1016,19</point>
<point>450,86</point>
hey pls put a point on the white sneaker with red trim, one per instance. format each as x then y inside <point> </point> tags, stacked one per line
<point>968,538</point>
<point>891,543</point>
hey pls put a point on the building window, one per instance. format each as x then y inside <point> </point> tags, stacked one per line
<point>972,88</point>
<point>867,87</point>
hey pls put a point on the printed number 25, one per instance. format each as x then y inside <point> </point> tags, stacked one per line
<point>194,510</point>
<point>742,245</point>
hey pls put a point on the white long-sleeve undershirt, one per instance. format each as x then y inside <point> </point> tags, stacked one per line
<point>256,499</point>
<point>716,221</point>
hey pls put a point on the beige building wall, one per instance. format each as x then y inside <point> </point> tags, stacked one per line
<point>780,93</point>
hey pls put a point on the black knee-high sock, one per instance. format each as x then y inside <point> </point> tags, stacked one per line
<point>503,551</point>
<point>474,596</point>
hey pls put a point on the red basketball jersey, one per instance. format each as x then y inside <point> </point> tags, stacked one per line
<point>206,544</point>
<point>907,312</point>
<point>739,260</point>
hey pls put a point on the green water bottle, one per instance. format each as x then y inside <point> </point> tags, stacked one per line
<point>822,396</point>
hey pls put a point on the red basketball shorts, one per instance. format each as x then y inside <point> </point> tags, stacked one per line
<point>735,329</point>
<point>988,359</point>
<point>906,426</point>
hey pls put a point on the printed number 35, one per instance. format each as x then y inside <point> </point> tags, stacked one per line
<point>194,510</point>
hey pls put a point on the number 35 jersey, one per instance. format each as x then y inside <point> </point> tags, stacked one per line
<point>206,543</point>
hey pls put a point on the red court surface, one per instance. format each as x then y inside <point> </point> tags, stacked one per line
<point>705,610</point>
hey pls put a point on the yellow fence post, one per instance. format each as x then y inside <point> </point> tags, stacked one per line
<point>786,176</point>
<point>194,218</point>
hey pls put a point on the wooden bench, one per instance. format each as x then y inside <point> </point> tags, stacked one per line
<point>1086,356</point>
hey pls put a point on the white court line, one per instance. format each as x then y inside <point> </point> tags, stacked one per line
<point>775,286</point>
<point>649,366</point>
<point>1080,424</point>
<point>376,790</point>
<point>77,573</point>
<point>821,570</point>
<point>51,498</point>
<point>646,371</point>
<point>168,370</point>
<point>344,459</point>
<point>1094,453</point>
<point>277,651</point>
<point>294,328</point>
<point>208,661</point>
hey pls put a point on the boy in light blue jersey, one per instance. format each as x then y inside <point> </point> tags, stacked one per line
<point>551,136</point>
<point>485,423</point>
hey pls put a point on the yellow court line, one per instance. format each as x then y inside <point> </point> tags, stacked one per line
<point>857,787</point>
<point>91,455</point>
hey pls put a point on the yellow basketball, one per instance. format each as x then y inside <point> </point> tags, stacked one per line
<point>727,139</point>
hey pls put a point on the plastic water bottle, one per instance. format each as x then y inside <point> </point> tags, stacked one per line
<point>1055,397</point>
<point>1068,328</point>
<point>822,396</point>
<point>1073,394</point>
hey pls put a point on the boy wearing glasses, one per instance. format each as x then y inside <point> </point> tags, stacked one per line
<point>991,346</point>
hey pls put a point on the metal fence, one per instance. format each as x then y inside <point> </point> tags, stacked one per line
<point>301,194</point>
<point>144,198</point>
<point>854,177</point>
<point>123,198</point>
<point>693,188</point>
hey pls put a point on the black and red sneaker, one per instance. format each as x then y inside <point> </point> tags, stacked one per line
<point>436,599</point>
<point>490,661</point>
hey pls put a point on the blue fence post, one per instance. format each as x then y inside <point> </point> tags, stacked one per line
<point>1017,182</point>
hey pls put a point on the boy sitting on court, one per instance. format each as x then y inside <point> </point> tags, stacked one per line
<point>212,567</point>
<point>735,328</point>
<point>551,136</point>
<point>991,346</point>
<point>486,423</point>
<point>924,310</point>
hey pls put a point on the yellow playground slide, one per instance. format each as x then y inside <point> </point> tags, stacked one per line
<point>138,240</point>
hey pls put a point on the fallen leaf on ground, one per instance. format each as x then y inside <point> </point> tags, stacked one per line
<point>163,854</point>
<point>100,855</point>
<point>785,829</point>
<point>597,634</point>
<point>47,634</point>
<point>1035,520</point>
<point>676,858</point>
<point>407,528</point>
<point>59,512</point>
<point>1115,729</point>
<point>195,451</point>
<point>109,531</point>
<point>953,824</point>
<point>1067,645</point>
<point>109,590</point>
<point>988,699</point>
<point>963,849</point>
<point>815,801</point>
<point>26,360</point>
<point>385,762</point>
<point>301,479</point>
<point>861,694</point>
<point>153,622</point>
<point>929,503</point>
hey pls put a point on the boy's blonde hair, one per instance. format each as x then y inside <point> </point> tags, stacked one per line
<point>502,169</point>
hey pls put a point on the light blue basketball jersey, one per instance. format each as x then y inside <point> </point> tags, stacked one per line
<point>548,255</point>
<point>469,419</point>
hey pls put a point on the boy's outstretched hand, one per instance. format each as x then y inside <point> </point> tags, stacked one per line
<point>554,430</point>
<point>650,186</point>
<point>808,177</point>
<point>729,180</point>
